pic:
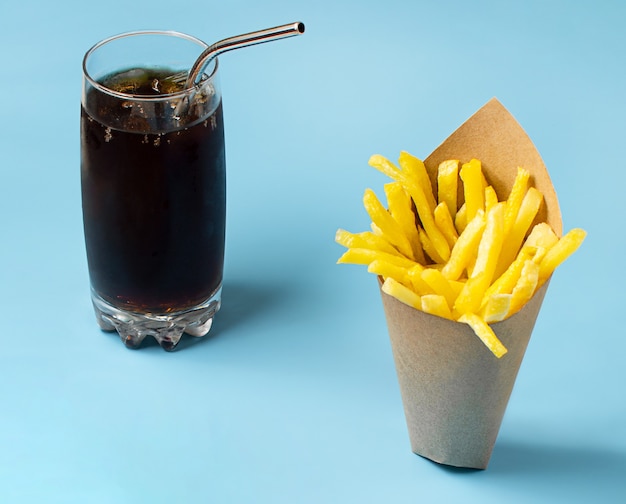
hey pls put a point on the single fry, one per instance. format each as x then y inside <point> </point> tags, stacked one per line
<point>383,165</point>
<point>440,285</point>
<point>447,185</point>
<point>470,297</point>
<point>414,170</point>
<point>496,308</point>
<point>401,293</point>
<point>565,247</point>
<point>428,220</point>
<point>388,270</point>
<point>507,281</point>
<point>473,187</point>
<point>429,248</point>
<point>463,250</point>
<point>444,222</point>
<point>543,236</point>
<point>469,269</point>
<point>419,285</point>
<point>457,287</point>
<point>366,239</point>
<point>490,244</point>
<point>491,198</point>
<point>485,333</point>
<point>525,287</point>
<point>366,256</point>
<point>514,201</point>
<point>436,304</point>
<point>460,220</point>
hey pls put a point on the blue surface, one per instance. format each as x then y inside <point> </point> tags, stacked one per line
<point>294,396</point>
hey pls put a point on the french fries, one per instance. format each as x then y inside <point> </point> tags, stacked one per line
<point>476,261</point>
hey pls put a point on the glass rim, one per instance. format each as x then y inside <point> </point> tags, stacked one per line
<point>135,97</point>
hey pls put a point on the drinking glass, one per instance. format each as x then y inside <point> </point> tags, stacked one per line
<point>153,187</point>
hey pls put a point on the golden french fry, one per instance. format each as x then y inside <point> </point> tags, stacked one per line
<point>383,165</point>
<point>514,201</point>
<point>465,246</point>
<point>496,308</point>
<point>436,304</point>
<point>419,286</point>
<point>428,220</point>
<point>471,262</point>
<point>541,235</point>
<point>444,222</point>
<point>429,248</point>
<point>388,270</point>
<point>414,170</point>
<point>506,282</point>
<point>457,286</point>
<point>439,285</point>
<point>400,206</point>
<point>401,293</point>
<point>460,220</point>
<point>485,333</point>
<point>365,239</point>
<point>401,209</point>
<point>447,185</point>
<point>390,228</point>
<point>470,297</point>
<point>525,287</point>
<point>490,244</point>
<point>366,256</point>
<point>564,248</point>
<point>513,241</point>
<point>473,189</point>
<point>491,198</point>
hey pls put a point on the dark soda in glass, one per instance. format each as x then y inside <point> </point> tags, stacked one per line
<point>153,192</point>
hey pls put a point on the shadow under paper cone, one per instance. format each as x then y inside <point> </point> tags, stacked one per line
<point>454,390</point>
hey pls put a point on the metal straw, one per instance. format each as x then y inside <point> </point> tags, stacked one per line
<point>228,44</point>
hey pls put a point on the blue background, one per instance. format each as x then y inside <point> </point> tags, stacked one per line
<point>293,397</point>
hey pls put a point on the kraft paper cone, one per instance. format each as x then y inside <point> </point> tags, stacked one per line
<point>454,390</point>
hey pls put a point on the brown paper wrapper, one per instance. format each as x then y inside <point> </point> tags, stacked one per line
<point>454,390</point>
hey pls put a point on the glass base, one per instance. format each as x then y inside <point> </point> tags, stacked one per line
<point>166,329</point>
